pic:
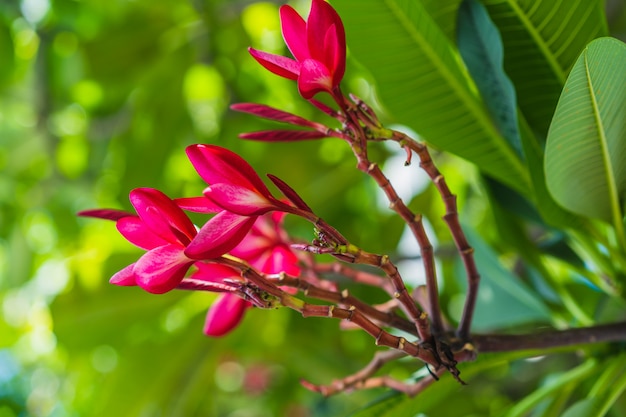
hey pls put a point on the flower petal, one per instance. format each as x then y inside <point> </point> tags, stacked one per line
<point>282,135</point>
<point>137,233</point>
<point>197,205</point>
<point>124,277</point>
<point>214,272</point>
<point>220,165</point>
<point>161,269</point>
<point>321,18</point>
<point>219,235</point>
<point>294,32</point>
<point>334,55</point>
<point>224,315</point>
<point>281,259</point>
<point>279,65</point>
<point>239,200</point>
<point>271,113</point>
<point>106,214</point>
<point>162,215</point>
<point>314,77</point>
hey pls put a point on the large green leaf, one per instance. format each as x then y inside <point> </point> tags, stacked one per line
<point>542,39</point>
<point>586,148</point>
<point>424,85</point>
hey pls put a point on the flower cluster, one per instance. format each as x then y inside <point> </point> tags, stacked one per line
<point>243,253</point>
<point>247,223</point>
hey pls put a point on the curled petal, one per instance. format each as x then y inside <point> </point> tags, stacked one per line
<point>137,233</point>
<point>239,200</point>
<point>224,315</point>
<point>161,269</point>
<point>279,65</point>
<point>162,215</point>
<point>290,193</point>
<point>294,32</point>
<point>314,77</point>
<point>219,235</point>
<point>106,214</point>
<point>271,113</point>
<point>124,277</point>
<point>219,165</point>
<point>283,135</point>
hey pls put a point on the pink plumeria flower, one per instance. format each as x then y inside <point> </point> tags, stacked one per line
<point>163,230</point>
<point>233,184</point>
<point>318,46</point>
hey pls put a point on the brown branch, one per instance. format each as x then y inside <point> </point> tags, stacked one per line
<point>451,218</point>
<point>415,223</point>
<point>550,339</point>
<point>347,300</point>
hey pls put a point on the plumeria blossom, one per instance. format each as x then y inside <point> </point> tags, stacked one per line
<point>234,186</point>
<point>318,46</point>
<point>163,230</point>
<point>265,247</point>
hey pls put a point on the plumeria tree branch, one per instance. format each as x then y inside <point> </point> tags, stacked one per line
<point>243,253</point>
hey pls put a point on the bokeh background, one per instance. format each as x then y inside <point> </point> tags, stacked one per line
<point>101,96</point>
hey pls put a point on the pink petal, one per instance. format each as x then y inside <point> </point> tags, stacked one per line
<point>238,200</point>
<point>214,272</point>
<point>279,65</point>
<point>219,235</point>
<point>106,214</point>
<point>220,165</point>
<point>161,269</point>
<point>251,248</point>
<point>334,55</point>
<point>271,113</point>
<point>283,135</point>
<point>321,18</point>
<point>124,277</point>
<point>137,233</point>
<point>294,32</point>
<point>197,205</point>
<point>290,193</point>
<point>224,315</point>
<point>281,259</point>
<point>314,77</point>
<point>162,215</point>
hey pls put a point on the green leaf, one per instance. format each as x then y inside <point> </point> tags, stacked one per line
<point>424,85</point>
<point>481,47</point>
<point>444,13</point>
<point>501,291</point>
<point>541,41</point>
<point>552,387</point>
<point>586,148</point>
<point>585,408</point>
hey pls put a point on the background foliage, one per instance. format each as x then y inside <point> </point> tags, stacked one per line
<point>99,97</point>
